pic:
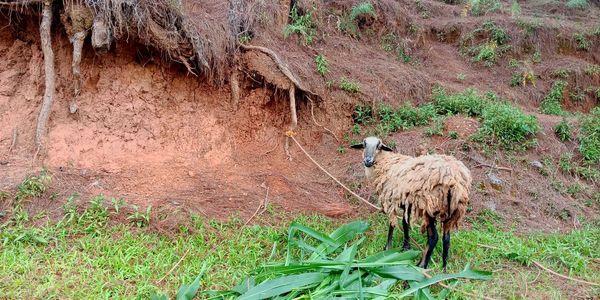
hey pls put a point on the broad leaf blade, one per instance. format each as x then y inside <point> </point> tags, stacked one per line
<point>467,274</point>
<point>399,272</point>
<point>188,292</point>
<point>278,286</point>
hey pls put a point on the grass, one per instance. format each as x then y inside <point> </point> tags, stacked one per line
<point>592,70</point>
<point>391,44</point>
<point>582,42</point>
<point>494,45</point>
<point>483,7</point>
<point>552,103</point>
<point>589,136</point>
<point>348,22</point>
<point>349,86</point>
<point>577,4</point>
<point>561,73</point>
<point>563,131</point>
<point>63,260</point>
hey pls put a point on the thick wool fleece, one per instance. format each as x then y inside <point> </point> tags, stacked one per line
<point>430,185</point>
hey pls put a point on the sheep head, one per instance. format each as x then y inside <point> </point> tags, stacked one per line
<point>371,147</point>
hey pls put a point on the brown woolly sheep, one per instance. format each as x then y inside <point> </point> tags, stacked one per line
<point>426,187</point>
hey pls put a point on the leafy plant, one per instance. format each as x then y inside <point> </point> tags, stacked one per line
<point>582,42</point>
<point>117,204</point>
<point>33,186</point>
<point>320,266</point>
<point>436,128</point>
<point>537,57</point>
<point>341,149</point>
<point>138,218</point>
<point>362,9</point>
<point>322,64</point>
<point>483,7</point>
<point>561,73</point>
<point>302,25</point>
<point>529,26</point>
<point>349,86</point>
<point>453,135</point>
<point>589,136</point>
<point>516,79</point>
<point>467,102</point>
<point>508,125</point>
<point>424,12</point>
<point>513,63</point>
<point>245,38</point>
<point>592,70</point>
<point>363,114</point>
<point>551,104</point>
<point>563,130</point>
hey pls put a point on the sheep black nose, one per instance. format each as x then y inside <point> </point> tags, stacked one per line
<point>368,162</point>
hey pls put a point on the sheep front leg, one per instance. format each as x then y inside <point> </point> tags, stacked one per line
<point>390,235</point>
<point>432,239</point>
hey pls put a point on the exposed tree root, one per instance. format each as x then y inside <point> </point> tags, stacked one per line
<point>77,41</point>
<point>294,122</point>
<point>312,113</point>
<point>282,67</point>
<point>234,84</point>
<point>13,143</point>
<point>50,77</point>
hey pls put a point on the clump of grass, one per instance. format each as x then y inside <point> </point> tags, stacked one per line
<point>501,121</point>
<point>302,25</point>
<point>561,73</point>
<point>513,63</point>
<point>423,11</point>
<point>245,38</point>
<point>582,42</point>
<point>492,48</point>
<point>436,128</point>
<point>363,114</point>
<point>349,86</point>
<point>516,79</point>
<point>33,186</point>
<point>592,70</point>
<point>589,136</point>
<point>563,130</point>
<point>577,4</point>
<point>390,43</point>
<point>536,58</point>
<point>483,7</point>
<point>529,26</point>
<point>322,64</point>
<point>349,22</point>
<point>515,9</point>
<point>405,117</point>
<point>552,103</point>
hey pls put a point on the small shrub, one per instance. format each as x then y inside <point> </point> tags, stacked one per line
<point>516,79</point>
<point>577,95</point>
<point>483,7</point>
<point>515,9</point>
<point>496,33</point>
<point>362,9</point>
<point>592,70</point>
<point>302,25</point>
<point>565,163</point>
<point>422,9</point>
<point>341,150</point>
<point>551,104</point>
<point>363,114</point>
<point>467,102</point>
<point>508,125</point>
<point>349,86</point>
<point>245,38</point>
<point>436,128</point>
<point>513,63</point>
<point>563,130</point>
<point>529,26</point>
<point>322,64</point>
<point>492,48</point>
<point>589,136</point>
<point>356,129</point>
<point>140,219</point>
<point>33,186</point>
<point>405,117</point>
<point>453,135</point>
<point>577,4</point>
<point>561,73</point>
<point>537,57</point>
<point>582,42</point>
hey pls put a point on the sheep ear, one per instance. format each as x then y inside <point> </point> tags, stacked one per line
<point>357,146</point>
<point>384,147</point>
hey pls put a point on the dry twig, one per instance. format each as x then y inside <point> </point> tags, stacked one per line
<point>263,205</point>
<point>174,266</point>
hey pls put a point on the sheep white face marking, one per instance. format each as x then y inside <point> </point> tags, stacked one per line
<point>371,147</point>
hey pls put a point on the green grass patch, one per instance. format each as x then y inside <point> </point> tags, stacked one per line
<point>349,86</point>
<point>563,130</point>
<point>552,103</point>
<point>589,136</point>
<point>493,43</point>
<point>349,21</point>
<point>63,260</point>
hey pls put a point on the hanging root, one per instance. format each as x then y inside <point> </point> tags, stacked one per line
<point>235,88</point>
<point>49,75</point>
<point>77,41</point>
<point>294,122</point>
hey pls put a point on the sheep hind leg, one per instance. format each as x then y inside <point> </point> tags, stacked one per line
<point>390,235</point>
<point>446,247</point>
<point>405,228</point>
<point>432,239</point>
